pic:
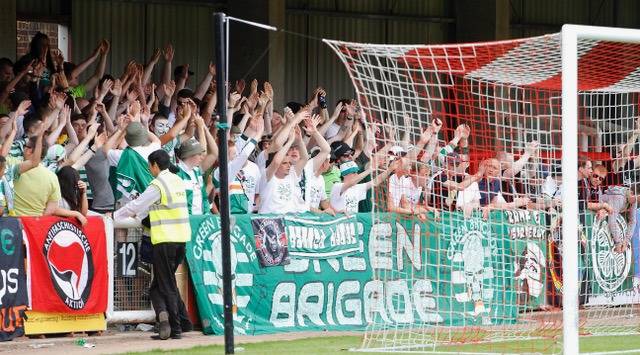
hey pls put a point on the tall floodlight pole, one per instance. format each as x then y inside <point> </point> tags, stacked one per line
<point>221,30</point>
<point>225,228</point>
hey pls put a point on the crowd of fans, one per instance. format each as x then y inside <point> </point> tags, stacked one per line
<point>72,148</point>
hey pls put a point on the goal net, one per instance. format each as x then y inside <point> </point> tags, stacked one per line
<point>474,133</point>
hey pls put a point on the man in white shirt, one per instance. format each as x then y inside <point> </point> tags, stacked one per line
<point>346,195</point>
<point>279,189</point>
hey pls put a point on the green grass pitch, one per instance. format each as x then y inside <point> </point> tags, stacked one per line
<point>341,344</point>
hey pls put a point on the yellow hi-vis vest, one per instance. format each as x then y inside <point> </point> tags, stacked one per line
<point>169,219</point>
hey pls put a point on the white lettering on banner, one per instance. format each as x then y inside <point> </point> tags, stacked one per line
<point>248,246</point>
<point>204,234</point>
<point>343,234</point>
<point>350,302</point>
<point>412,249</point>
<point>394,304</point>
<point>311,303</point>
<point>283,305</point>
<point>380,246</point>
<point>330,290</point>
<point>303,237</point>
<point>351,312</point>
<point>9,282</point>
<point>393,300</point>
<point>424,303</point>
<point>314,237</point>
<point>528,224</point>
<point>373,296</point>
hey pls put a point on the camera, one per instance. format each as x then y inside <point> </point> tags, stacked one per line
<point>322,101</point>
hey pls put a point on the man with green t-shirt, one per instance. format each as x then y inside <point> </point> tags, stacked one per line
<point>190,155</point>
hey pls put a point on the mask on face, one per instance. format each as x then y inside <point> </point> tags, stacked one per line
<point>161,127</point>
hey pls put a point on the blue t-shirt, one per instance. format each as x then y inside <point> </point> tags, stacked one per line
<point>488,190</point>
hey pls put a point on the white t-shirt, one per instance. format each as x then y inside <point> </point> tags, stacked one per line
<point>114,155</point>
<point>252,176</point>
<point>347,202</point>
<point>468,195</point>
<point>403,186</point>
<point>314,190</point>
<point>550,188</point>
<point>261,161</point>
<point>279,195</point>
<point>332,131</point>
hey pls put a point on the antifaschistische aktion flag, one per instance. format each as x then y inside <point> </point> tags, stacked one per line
<point>67,265</point>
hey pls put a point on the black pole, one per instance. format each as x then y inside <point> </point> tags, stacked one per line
<point>223,127</point>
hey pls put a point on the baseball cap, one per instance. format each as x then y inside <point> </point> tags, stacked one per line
<point>338,149</point>
<point>348,167</point>
<point>55,153</point>
<point>189,148</point>
<point>398,151</point>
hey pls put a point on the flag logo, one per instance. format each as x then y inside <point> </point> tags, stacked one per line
<point>68,255</point>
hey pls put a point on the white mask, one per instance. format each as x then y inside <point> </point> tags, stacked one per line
<point>160,127</point>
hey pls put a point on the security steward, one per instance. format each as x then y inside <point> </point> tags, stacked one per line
<point>165,202</point>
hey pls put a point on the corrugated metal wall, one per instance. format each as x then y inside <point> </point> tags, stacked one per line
<point>310,63</point>
<point>538,17</point>
<point>137,29</point>
<point>39,7</point>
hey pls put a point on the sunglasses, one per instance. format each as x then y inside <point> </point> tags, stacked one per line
<point>596,176</point>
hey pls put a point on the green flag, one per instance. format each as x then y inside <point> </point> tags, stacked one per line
<point>132,175</point>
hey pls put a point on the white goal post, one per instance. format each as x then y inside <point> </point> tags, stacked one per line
<point>552,101</point>
<point>570,36</point>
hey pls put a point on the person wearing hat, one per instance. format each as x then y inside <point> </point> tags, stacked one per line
<point>340,152</point>
<point>165,201</point>
<point>190,156</point>
<point>132,174</point>
<point>346,195</point>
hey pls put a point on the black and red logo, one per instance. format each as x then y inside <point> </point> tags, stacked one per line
<point>68,253</point>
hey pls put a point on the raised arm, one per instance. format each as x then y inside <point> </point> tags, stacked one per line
<point>206,82</point>
<point>311,127</point>
<point>100,68</point>
<point>520,163</point>
<point>302,148</point>
<point>148,69</point>
<point>82,66</point>
<point>8,140</point>
<point>277,159</point>
<point>212,151</point>
<point>36,157</point>
<point>285,132</point>
<point>117,136</point>
<point>63,118</point>
<point>82,147</point>
<point>325,126</point>
<point>168,53</point>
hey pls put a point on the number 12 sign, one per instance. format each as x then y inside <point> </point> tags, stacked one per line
<point>127,259</point>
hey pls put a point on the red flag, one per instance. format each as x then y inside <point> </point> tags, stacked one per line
<point>67,265</point>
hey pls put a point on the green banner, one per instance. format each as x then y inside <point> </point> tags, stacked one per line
<point>382,268</point>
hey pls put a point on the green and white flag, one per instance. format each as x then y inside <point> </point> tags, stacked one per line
<point>132,176</point>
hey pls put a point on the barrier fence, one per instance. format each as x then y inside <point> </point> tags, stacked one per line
<point>309,271</point>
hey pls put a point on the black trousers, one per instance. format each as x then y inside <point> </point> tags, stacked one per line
<point>164,290</point>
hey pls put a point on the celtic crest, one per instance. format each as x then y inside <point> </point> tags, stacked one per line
<point>609,267</point>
